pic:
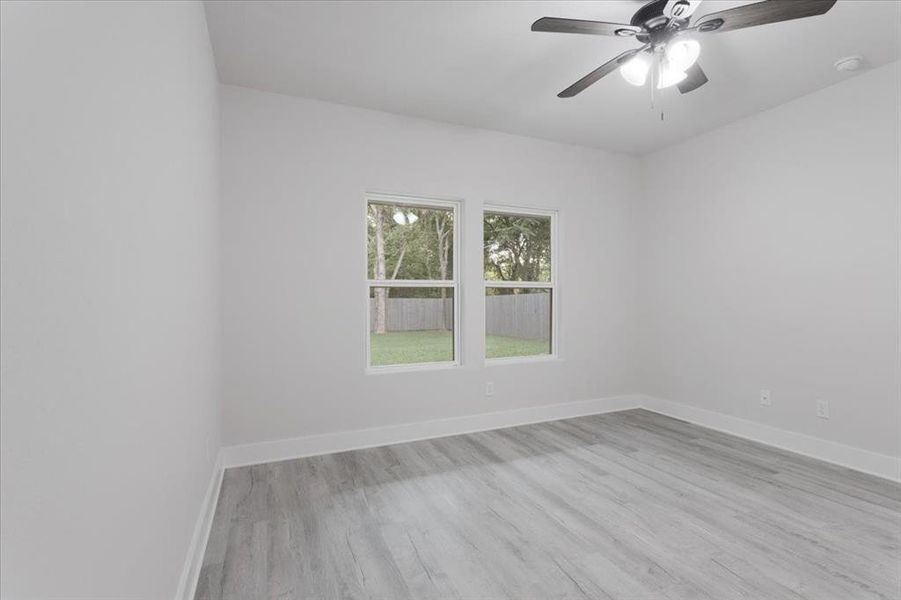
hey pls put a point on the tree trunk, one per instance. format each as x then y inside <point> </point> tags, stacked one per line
<point>516,271</point>
<point>400,261</point>
<point>381,294</point>
<point>442,233</point>
<point>443,247</point>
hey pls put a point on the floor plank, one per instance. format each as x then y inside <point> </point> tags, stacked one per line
<point>628,505</point>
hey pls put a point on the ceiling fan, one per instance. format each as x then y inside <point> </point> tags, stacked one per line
<point>670,46</point>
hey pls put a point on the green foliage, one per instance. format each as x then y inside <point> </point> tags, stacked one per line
<point>516,248</point>
<point>415,248</point>
<point>411,347</point>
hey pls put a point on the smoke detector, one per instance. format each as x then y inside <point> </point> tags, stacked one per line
<point>848,64</point>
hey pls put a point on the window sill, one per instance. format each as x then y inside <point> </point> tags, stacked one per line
<point>517,360</point>
<point>412,368</point>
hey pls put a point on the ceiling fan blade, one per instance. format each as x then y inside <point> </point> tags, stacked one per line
<point>695,78</point>
<point>762,13</point>
<point>605,69</point>
<point>553,24</point>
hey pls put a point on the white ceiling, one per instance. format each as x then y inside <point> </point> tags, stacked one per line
<point>478,64</point>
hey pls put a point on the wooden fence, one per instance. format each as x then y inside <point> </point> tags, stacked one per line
<point>415,314</point>
<point>519,315</point>
<point>515,315</point>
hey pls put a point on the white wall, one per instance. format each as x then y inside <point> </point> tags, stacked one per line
<point>294,175</point>
<point>771,261</point>
<point>777,269</point>
<point>110,410</point>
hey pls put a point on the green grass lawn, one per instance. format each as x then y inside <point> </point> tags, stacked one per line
<point>408,347</point>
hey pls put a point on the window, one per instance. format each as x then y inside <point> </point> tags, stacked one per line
<point>412,283</point>
<point>520,290</point>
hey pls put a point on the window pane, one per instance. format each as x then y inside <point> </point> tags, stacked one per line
<point>410,242</point>
<point>410,325</point>
<point>517,322</point>
<point>517,247</point>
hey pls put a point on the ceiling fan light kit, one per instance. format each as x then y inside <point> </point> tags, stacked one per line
<point>672,65</point>
<point>682,53</point>
<point>636,70</point>
<point>669,38</point>
<point>668,76</point>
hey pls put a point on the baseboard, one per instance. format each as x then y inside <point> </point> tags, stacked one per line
<point>881,465</point>
<point>263,452</point>
<point>873,463</point>
<point>187,583</point>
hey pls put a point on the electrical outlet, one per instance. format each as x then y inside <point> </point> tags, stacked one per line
<point>765,398</point>
<point>489,388</point>
<point>822,409</point>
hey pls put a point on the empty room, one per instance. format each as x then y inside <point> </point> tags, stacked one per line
<point>427,300</point>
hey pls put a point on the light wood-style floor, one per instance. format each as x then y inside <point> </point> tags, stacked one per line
<point>629,505</point>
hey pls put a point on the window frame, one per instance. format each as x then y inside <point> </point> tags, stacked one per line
<point>553,285</point>
<point>453,284</point>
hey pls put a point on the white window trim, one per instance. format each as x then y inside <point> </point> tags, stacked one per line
<point>553,284</point>
<point>423,202</point>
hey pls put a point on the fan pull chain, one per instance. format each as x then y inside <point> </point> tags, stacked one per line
<point>655,68</point>
<point>654,74</point>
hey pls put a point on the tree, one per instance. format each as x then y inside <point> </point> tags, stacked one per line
<point>377,219</point>
<point>442,233</point>
<point>516,248</point>
<point>407,242</point>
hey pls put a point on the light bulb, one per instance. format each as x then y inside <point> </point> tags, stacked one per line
<point>636,70</point>
<point>681,54</point>
<point>668,76</point>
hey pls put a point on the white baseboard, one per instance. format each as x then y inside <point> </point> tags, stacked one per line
<point>190,574</point>
<point>263,452</point>
<point>881,465</point>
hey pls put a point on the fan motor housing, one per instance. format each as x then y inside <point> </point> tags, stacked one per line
<point>647,12</point>
<point>651,18</point>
